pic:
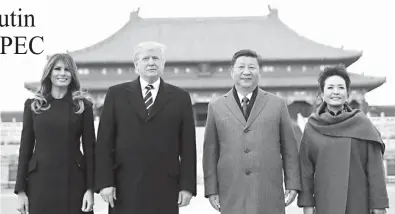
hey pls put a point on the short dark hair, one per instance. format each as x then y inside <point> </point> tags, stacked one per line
<point>338,70</point>
<point>248,53</point>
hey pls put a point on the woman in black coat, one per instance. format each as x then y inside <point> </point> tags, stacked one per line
<point>53,175</point>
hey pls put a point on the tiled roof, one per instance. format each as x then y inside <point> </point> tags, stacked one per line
<point>212,39</point>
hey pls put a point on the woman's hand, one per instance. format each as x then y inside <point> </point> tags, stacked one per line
<point>308,210</point>
<point>87,201</point>
<point>23,203</point>
<point>378,211</point>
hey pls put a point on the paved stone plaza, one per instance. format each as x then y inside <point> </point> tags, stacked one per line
<point>198,205</point>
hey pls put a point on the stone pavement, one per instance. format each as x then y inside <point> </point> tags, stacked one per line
<point>198,204</point>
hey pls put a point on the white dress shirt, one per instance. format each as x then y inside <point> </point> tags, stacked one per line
<point>154,91</point>
<point>241,97</point>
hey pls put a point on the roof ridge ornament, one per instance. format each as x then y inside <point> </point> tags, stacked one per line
<point>273,12</point>
<point>135,14</point>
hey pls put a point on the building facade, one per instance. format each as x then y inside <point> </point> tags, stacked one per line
<point>386,126</point>
<point>10,136</point>
<point>198,55</point>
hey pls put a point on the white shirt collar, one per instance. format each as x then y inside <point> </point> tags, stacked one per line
<point>144,83</point>
<point>241,97</point>
<point>154,91</point>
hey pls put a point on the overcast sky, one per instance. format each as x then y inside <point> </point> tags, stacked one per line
<point>72,25</point>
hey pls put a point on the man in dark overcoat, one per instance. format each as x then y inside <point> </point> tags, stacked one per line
<point>146,149</point>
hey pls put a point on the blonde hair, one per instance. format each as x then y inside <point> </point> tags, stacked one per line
<point>40,103</point>
<point>151,45</point>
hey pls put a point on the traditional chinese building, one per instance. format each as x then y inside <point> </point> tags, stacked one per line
<point>10,136</point>
<point>198,55</point>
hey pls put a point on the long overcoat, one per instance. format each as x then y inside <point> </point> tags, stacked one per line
<point>341,160</point>
<point>52,171</point>
<point>243,161</point>
<point>147,158</point>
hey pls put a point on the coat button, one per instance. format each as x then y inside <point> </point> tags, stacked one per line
<point>248,172</point>
<point>246,130</point>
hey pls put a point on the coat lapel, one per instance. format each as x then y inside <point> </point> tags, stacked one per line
<point>135,98</point>
<point>259,104</point>
<point>231,104</point>
<point>164,96</point>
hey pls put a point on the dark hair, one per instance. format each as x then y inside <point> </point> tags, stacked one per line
<point>247,53</point>
<point>339,70</point>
